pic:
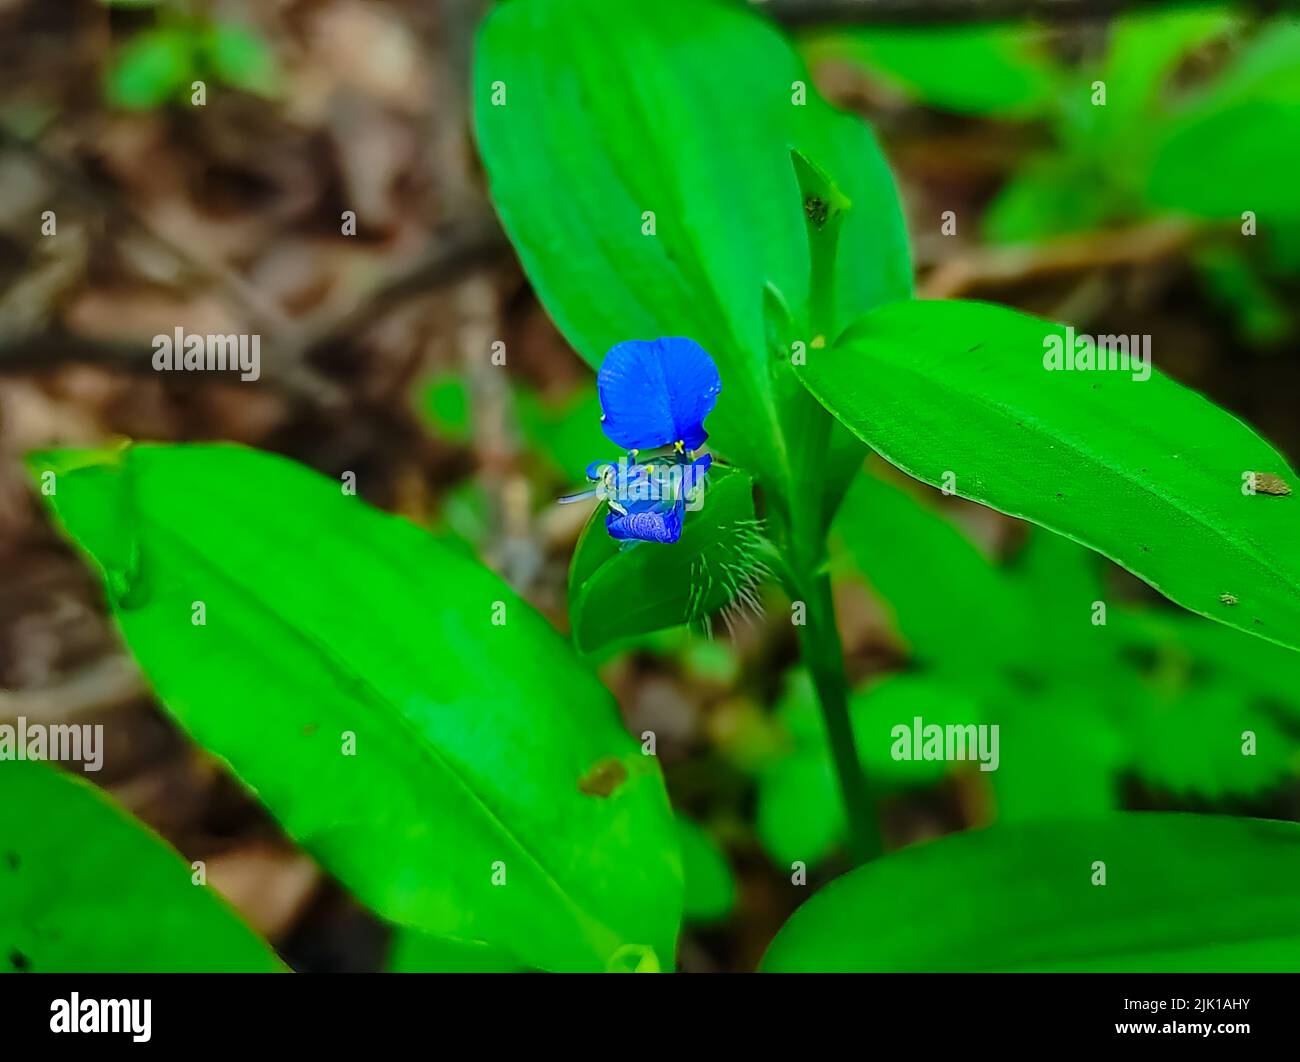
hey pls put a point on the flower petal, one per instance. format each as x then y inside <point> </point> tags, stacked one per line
<point>656,393</point>
<point>647,525</point>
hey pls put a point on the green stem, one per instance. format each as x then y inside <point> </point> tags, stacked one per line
<point>823,655</point>
<point>824,207</point>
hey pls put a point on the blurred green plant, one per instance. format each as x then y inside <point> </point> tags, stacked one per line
<point>1085,688</point>
<point>158,65</point>
<point>995,70</point>
<point>1130,134</point>
<point>710,884</point>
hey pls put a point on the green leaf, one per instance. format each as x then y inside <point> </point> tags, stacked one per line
<point>445,403</point>
<point>1238,147</point>
<point>591,114</point>
<point>994,70</point>
<point>1239,286</point>
<point>151,68</point>
<point>1203,689</point>
<point>896,701</point>
<point>617,593</point>
<point>1060,749</point>
<point>1148,473</point>
<point>241,58</point>
<point>1049,197</point>
<point>1062,746</point>
<point>1265,672</point>
<point>1145,50</point>
<point>567,433</point>
<point>955,611</point>
<point>710,884</point>
<point>414,952</point>
<point>1076,186</point>
<point>800,810</point>
<point>86,889</point>
<point>1058,583</point>
<point>1192,739</point>
<point>405,717</point>
<point>1182,893</point>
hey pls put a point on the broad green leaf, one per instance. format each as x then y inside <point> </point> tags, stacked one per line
<point>86,889</point>
<point>1181,893</point>
<point>617,593</point>
<point>710,884</point>
<point>151,69</point>
<point>954,610</point>
<point>994,70</point>
<point>1146,472</point>
<point>639,156</point>
<point>414,952</point>
<point>405,717</point>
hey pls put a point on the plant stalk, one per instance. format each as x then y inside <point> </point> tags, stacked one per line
<point>819,642</point>
<point>824,207</point>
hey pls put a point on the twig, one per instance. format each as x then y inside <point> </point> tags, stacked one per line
<point>1005,266</point>
<point>454,255</point>
<point>289,347</point>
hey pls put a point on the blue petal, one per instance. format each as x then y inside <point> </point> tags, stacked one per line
<point>647,525</point>
<point>656,393</point>
<point>698,468</point>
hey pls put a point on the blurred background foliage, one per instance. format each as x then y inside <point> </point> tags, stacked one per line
<point>230,217</point>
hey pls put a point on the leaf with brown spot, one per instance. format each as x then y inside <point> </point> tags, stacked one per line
<point>604,777</point>
<point>1267,483</point>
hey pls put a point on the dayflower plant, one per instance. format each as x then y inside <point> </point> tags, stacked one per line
<point>654,397</point>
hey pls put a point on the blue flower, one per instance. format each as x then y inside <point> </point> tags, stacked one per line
<point>656,519</point>
<point>657,393</point>
<point>654,397</point>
